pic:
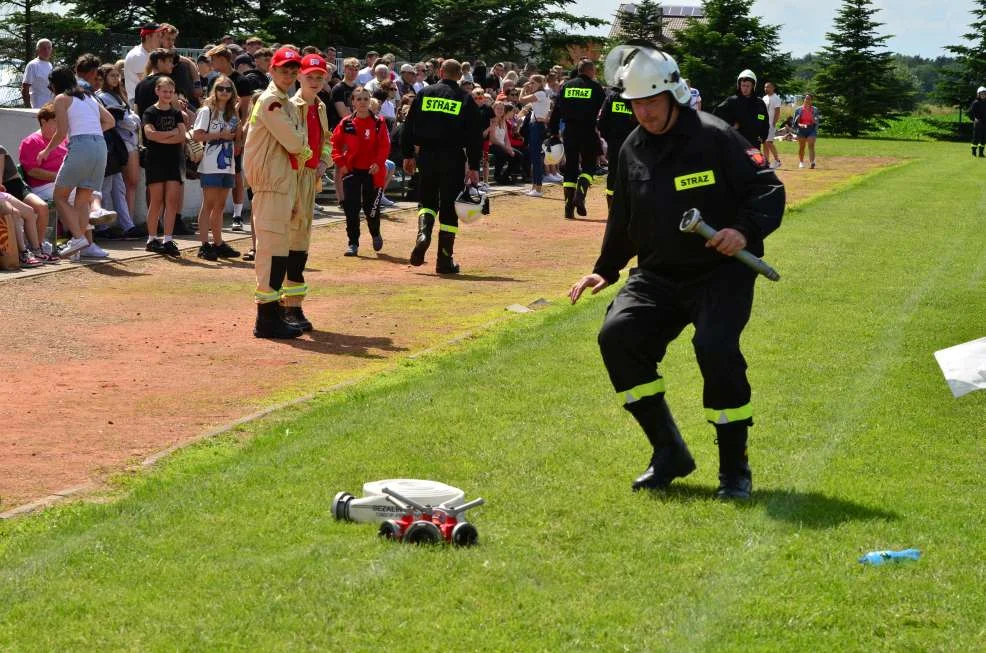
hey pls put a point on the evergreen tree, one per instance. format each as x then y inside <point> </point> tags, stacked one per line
<point>711,53</point>
<point>856,85</point>
<point>643,22</point>
<point>968,72</point>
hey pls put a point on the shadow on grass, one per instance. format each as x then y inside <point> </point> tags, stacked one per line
<point>808,509</point>
<point>326,342</point>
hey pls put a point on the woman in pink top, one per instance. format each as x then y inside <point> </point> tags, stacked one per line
<point>41,178</point>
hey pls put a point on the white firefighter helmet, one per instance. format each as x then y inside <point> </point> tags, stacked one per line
<point>747,74</point>
<point>981,89</point>
<point>643,70</point>
<point>472,203</point>
<point>553,151</point>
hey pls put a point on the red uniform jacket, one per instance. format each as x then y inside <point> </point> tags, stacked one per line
<point>360,148</point>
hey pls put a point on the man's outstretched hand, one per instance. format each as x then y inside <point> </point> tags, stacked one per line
<point>593,281</point>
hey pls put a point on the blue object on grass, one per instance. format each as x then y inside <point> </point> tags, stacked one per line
<point>882,557</point>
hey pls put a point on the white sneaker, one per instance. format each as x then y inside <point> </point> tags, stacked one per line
<point>387,202</point>
<point>534,193</point>
<point>72,246</point>
<point>801,164</point>
<point>555,178</point>
<point>46,248</point>
<point>94,251</point>
<point>777,164</point>
<point>75,258</point>
<point>102,216</point>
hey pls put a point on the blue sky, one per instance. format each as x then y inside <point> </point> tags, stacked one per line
<point>921,27</point>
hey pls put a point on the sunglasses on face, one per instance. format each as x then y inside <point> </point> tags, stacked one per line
<point>224,89</point>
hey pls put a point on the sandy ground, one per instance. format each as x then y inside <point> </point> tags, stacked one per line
<point>106,365</point>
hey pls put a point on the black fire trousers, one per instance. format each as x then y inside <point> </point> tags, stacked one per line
<point>443,175</point>
<point>651,311</point>
<point>358,192</point>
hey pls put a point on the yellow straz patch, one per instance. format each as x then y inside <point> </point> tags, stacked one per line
<point>619,107</point>
<point>442,105</point>
<point>579,93</point>
<point>694,180</point>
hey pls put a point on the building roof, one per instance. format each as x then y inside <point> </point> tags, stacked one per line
<point>674,18</point>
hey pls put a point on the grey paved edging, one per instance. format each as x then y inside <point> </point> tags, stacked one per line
<point>124,251</point>
<point>78,490</point>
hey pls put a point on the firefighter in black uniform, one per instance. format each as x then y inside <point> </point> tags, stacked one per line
<point>616,121</point>
<point>578,103</point>
<point>977,112</point>
<point>444,125</point>
<point>676,160</point>
<point>745,111</point>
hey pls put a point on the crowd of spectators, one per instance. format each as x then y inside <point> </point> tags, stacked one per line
<point>149,113</point>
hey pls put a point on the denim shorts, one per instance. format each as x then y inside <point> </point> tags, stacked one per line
<point>85,163</point>
<point>808,132</point>
<point>216,180</point>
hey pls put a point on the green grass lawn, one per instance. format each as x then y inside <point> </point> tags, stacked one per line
<point>859,445</point>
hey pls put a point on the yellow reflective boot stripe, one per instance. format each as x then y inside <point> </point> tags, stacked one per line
<point>265,297</point>
<point>294,291</point>
<point>568,184</point>
<point>449,228</point>
<point>649,389</point>
<point>727,415</point>
<point>422,212</point>
<point>587,177</point>
<point>609,192</point>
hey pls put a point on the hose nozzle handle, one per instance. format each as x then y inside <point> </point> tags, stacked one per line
<point>691,222</point>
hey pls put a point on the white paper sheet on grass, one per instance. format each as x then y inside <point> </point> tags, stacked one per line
<point>964,366</point>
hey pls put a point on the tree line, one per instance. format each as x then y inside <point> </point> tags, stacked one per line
<point>859,85</point>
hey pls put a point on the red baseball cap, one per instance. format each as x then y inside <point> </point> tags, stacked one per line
<point>312,62</point>
<point>285,56</point>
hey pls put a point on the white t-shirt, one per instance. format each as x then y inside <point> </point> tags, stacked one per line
<point>541,105</point>
<point>133,66</point>
<point>218,156</point>
<point>372,85</point>
<point>36,74</point>
<point>772,102</point>
<point>365,75</point>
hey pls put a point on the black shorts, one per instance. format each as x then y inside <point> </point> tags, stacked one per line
<point>16,187</point>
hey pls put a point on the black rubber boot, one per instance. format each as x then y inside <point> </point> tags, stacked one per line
<point>569,203</point>
<point>671,458</point>
<point>973,150</point>
<point>735,477</point>
<point>294,316</point>
<point>609,202</point>
<point>981,155</point>
<point>446,244</point>
<point>426,223</point>
<point>270,325</point>
<point>581,190</point>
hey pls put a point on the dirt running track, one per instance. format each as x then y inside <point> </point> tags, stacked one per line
<point>106,365</point>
